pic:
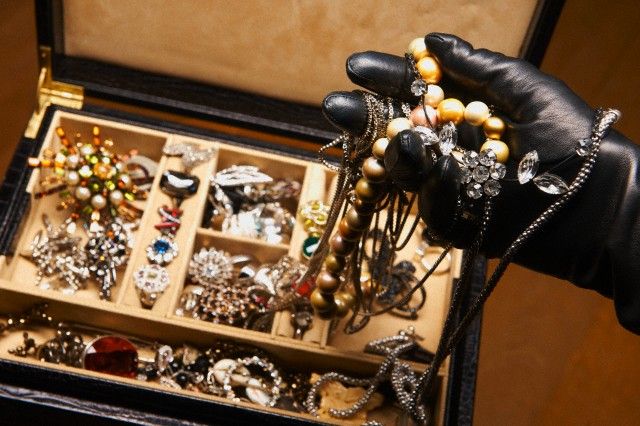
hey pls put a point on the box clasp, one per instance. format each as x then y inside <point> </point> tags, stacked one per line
<point>50,92</point>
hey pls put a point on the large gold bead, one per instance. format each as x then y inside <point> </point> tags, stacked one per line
<point>364,209</point>
<point>379,147</point>
<point>334,264</point>
<point>367,191</point>
<point>429,70</point>
<point>373,169</point>
<point>452,110</point>
<point>476,113</point>
<point>347,232</point>
<point>357,221</point>
<point>327,283</point>
<point>417,48</point>
<point>341,307</point>
<point>347,298</point>
<point>340,246</point>
<point>493,127</point>
<point>499,148</point>
<point>397,125</point>
<point>321,302</point>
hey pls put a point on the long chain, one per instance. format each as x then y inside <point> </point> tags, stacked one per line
<point>448,341</point>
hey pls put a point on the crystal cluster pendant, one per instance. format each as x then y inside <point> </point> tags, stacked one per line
<point>481,172</point>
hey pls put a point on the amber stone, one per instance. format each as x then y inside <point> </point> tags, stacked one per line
<point>367,191</point>
<point>357,221</point>
<point>327,283</point>
<point>321,302</point>
<point>334,264</point>
<point>112,355</point>
<point>340,246</point>
<point>347,232</point>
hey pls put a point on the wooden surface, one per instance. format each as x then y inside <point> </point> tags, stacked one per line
<point>551,353</point>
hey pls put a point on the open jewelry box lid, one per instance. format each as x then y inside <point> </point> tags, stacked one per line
<point>259,64</point>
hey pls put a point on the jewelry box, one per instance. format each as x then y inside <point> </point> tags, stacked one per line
<point>248,103</point>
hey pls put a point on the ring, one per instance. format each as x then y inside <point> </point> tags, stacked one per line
<point>162,250</point>
<point>151,281</point>
<point>189,300</point>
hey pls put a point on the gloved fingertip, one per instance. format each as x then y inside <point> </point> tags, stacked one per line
<point>346,110</point>
<point>384,74</point>
<point>446,47</point>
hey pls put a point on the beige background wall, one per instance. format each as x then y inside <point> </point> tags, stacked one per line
<point>551,353</point>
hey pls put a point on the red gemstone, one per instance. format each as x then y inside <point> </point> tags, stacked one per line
<point>111,355</point>
<point>305,288</point>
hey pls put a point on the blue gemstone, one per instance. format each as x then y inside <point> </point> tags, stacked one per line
<point>161,246</point>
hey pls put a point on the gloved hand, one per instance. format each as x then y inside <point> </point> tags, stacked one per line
<point>594,241</point>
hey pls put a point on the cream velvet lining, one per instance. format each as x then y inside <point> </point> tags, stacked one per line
<point>288,49</point>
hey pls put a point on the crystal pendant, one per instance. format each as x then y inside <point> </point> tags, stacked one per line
<point>492,188</point>
<point>418,87</point>
<point>498,171</point>
<point>448,138</point>
<point>466,174</point>
<point>551,184</point>
<point>474,190</point>
<point>584,147</point>
<point>487,158</point>
<point>111,355</point>
<point>470,159</point>
<point>480,174</point>
<point>528,167</point>
<point>428,136</point>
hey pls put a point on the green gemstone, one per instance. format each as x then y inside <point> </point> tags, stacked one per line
<point>309,246</point>
<point>94,187</point>
<point>110,185</point>
<point>129,196</point>
<point>87,210</point>
<point>93,159</point>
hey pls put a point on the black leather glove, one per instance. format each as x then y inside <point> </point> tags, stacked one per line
<point>595,241</point>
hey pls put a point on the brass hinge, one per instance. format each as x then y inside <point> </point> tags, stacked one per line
<point>50,92</point>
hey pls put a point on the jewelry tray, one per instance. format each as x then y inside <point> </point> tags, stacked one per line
<point>319,350</point>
